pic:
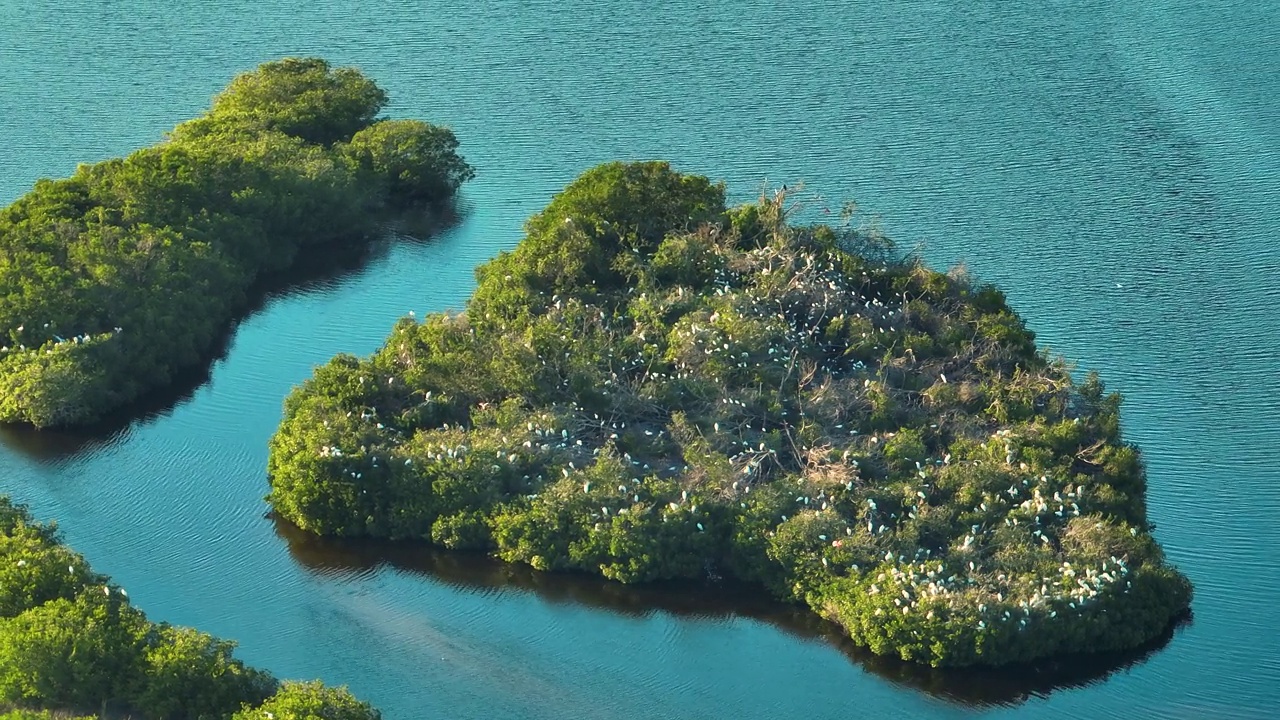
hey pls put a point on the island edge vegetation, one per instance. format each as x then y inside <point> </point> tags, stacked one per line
<point>70,641</point>
<point>118,277</point>
<point>653,385</point>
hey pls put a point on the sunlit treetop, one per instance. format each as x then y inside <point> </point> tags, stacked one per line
<point>305,98</point>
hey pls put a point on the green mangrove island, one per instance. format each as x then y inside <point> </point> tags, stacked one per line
<point>654,385</point>
<point>70,642</point>
<point>114,279</point>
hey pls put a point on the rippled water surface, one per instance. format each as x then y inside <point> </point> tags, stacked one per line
<point>1115,166</point>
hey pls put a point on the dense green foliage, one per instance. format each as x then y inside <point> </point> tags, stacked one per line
<point>310,701</point>
<point>41,715</point>
<point>116,278</point>
<point>652,385</point>
<point>70,641</point>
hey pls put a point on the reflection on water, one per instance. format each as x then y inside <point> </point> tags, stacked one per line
<point>707,600</point>
<point>316,270</point>
<point>1011,685</point>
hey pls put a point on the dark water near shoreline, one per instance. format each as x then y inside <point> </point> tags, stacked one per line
<point>1115,166</point>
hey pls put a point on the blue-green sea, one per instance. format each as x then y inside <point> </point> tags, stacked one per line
<point>1114,166</point>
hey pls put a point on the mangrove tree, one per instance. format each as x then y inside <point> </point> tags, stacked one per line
<point>118,277</point>
<point>653,385</point>
<point>70,641</point>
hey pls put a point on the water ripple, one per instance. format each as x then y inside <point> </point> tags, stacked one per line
<point>1112,165</point>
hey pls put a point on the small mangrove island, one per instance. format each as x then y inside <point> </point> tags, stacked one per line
<point>653,385</point>
<point>70,642</point>
<point>125,273</point>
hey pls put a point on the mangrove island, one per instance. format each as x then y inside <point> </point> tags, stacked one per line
<point>654,385</point>
<point>125,273</point>
<point>70,642</point>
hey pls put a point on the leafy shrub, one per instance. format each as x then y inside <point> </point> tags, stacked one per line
<point>310,701</point>
<point>419,162</point>
<point>302,97</point>
<point>190,674</point>
<point>78,652</point>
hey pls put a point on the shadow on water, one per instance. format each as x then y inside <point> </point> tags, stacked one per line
<point>313,271</point>
<point>984,687</point>
<point>720,600</point>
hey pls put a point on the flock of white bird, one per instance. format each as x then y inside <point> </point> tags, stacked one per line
<point>53,341</point>
<point>71,570</point>
<point>758,319</point>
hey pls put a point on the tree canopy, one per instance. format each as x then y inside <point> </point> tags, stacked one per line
<point>70,641</point>
<point>653,385</point>
<point>301,97</point>
<point>115,279</point>
<point>310,701</point>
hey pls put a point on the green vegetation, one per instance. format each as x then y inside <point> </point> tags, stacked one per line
<point>41,715</point>
<point>652,385</point>
<point>116,278</point>
<point>71,642</point>
<point>309,701</point>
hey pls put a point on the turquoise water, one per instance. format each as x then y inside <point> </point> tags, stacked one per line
<point>1115,166</point>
